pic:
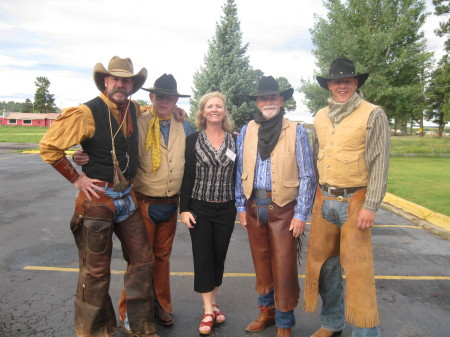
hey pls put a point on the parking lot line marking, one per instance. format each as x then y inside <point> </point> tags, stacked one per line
<point>378,277</point>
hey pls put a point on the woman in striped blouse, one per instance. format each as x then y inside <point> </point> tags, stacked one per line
<point>207,200</point>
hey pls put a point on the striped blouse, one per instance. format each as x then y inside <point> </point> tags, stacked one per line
<point>214,178</point>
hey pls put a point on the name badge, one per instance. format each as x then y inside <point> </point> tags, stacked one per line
<point>230,154</point>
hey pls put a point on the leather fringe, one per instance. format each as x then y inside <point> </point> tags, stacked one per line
<point>351,317</point>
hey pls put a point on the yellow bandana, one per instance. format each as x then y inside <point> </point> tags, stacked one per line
<point>153,139</point>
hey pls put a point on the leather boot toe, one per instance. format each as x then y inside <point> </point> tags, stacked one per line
<point>266,317</point>
<point>322,332</point>
<point>283,332</point>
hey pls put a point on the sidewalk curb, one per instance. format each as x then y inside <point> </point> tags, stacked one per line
<point>421,212</point>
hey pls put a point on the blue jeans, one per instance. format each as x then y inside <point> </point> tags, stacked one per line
<point>284,320</point>
<point>123,202</point>
<point>331,286</point>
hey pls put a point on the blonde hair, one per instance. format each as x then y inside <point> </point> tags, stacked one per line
<point>200,121</point>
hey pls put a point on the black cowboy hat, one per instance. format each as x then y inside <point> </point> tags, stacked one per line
<point>120,67</point>
<point>342,68</point>
<point>267,86</point>
<point>167,85</point>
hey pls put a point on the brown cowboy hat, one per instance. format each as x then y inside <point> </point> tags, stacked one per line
<point>167,85</point>
<point>267,86</point>
<point>120,67</point>
<point>342,68</point>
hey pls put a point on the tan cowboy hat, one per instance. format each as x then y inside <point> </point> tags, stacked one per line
<point>121,68</point>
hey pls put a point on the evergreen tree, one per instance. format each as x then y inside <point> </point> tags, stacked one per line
<point>291,104</point>
<point>227,68</point>
<point>44,102</point>
<point>27,106</point>
<point>383,38</point>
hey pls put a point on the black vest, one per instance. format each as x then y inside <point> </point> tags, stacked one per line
<point>99,147</point>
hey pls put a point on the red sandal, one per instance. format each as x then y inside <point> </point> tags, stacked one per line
<point>204,324</point>
<point>218,313</point>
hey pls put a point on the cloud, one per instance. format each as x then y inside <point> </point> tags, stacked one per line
<point>63,40</point>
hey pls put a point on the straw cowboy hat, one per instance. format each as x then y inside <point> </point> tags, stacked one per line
<point>342,68</point>
<point>166,85</point>
<point>120,67</point>
<point>267,86</point>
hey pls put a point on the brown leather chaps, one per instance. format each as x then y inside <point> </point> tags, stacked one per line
<point>161,238</point>
<point>354,246</point>
<point>274,253</point>
<point>92,226</point>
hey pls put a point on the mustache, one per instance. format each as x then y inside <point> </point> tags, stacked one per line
<point>267,107</point>
<point>119,90</point>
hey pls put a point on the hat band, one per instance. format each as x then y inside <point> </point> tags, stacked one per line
<point>121,73</point>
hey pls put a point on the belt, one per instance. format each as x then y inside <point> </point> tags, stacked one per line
<point>157,200</point>
<point>106,184</point>
<point>338,192</point>
<point>262,194</point>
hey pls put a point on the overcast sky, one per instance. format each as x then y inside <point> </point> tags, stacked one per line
<point>63,40</point>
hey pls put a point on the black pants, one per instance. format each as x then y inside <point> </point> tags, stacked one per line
<point>210,240</point>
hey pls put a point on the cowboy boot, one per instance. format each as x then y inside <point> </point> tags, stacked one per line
<point>266,317</point>
<point>283,332</point>
<point>322,332</point>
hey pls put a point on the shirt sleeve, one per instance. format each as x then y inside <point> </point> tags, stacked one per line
<point>72,127</point>
<point>239,190</point>
<point>306,175</point>
<point>377,158</point>
<point>187,182</point>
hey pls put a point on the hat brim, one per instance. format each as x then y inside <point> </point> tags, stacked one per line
<point>100,72</point>
<point>361,79</point>
<point>287,94</point>
<point>165,92</point>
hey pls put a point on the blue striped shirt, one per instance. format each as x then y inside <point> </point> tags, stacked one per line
<point>263,177</point>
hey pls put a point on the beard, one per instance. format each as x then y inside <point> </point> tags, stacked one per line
<point>270,111</point>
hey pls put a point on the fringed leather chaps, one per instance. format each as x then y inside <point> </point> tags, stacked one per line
<point>355,249</point>
<point>161,239</point>
<point>274,253</point>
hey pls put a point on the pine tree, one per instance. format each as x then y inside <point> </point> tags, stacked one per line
<point>383,38</point>
<point>44,102</point>
<point>227,69</point>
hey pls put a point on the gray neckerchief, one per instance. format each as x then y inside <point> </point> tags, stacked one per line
<point>338,111</point>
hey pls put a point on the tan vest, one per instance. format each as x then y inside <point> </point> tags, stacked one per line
<point>341,159</point>
<point>283,161</point>
<point>166,181</point>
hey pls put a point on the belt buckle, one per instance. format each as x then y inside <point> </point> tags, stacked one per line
<point>331,189</point>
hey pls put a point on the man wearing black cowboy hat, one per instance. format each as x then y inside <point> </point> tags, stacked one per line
<point>351,143</point>
<point>106,127</point>
<point>158,182</point>
<point>274,192</point>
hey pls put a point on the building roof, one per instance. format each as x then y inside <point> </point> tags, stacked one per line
<point>23,115</point>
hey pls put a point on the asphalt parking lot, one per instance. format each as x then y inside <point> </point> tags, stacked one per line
<point>38,261</point>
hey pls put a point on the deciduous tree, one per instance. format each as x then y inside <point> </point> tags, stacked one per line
<point>382,37</point>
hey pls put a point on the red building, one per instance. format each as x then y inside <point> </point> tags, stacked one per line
<point>28,119</point>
